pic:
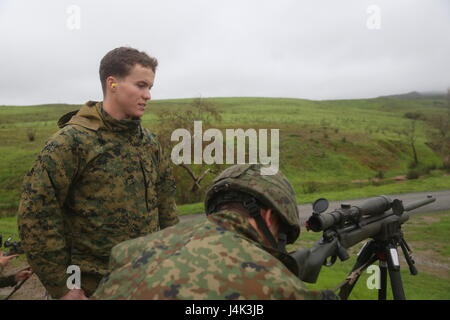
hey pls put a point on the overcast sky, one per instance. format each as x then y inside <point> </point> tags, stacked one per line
<point>50,50</point>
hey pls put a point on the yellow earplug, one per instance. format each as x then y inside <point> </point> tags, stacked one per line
<point>113,85</point>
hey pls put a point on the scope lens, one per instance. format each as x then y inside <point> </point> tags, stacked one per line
<point>315,223</point>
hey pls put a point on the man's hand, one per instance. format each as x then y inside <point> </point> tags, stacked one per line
<point>4,260</point>
<point>75,294</point>
<point>23,274</point>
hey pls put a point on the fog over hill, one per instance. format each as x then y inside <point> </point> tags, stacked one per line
<point>419,95</point>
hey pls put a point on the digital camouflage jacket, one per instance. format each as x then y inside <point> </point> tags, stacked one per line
<point>97,182</point>
<point>219,257</point>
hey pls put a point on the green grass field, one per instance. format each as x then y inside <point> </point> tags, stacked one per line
<point>331,148</point>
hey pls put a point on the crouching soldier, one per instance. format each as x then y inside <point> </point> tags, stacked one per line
<point>238,252</point>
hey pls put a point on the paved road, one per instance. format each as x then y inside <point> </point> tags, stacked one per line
<point>442,203</point>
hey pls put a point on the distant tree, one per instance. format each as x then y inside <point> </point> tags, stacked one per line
<point>188,176</point>
<point>31,134</point>
<point>411,136</point>
<point>439,133</point>
<point>414,115</point>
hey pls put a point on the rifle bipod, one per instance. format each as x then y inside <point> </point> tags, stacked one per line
<point>386,253</point>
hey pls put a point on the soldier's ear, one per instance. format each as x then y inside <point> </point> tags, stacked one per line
<point>267,216</point>
<point>271,219</point>
<point>111,82</point>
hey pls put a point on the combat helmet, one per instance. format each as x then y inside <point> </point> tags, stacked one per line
<point>271,191</point>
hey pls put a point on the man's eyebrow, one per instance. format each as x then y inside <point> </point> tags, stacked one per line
<point>149,84</point>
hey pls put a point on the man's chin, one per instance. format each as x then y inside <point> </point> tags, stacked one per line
<point>137,114</point>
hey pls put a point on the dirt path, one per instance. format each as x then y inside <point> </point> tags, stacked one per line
<point>32,289</point>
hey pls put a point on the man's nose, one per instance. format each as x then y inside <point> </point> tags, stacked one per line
<point>147,95</point>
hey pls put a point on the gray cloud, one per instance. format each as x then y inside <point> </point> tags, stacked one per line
<point>302,49</point>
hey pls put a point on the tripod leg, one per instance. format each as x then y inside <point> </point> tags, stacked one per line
<point>408,257</point>
<point>394,273</point>
<point>383,280</point>
<point>365,256</point>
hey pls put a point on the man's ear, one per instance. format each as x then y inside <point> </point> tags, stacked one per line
<point>110,81</point>
<point>267,215</point>
<point>271,220</point>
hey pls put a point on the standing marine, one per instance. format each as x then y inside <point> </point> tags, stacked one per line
<point>237,252</point>
<point>100,180</point>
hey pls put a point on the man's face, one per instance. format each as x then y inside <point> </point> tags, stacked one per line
<point>133,91</point>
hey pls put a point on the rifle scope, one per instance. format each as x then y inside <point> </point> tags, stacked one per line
<point>349,214</point>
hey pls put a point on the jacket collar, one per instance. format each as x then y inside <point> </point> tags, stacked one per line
<point>92,116</point>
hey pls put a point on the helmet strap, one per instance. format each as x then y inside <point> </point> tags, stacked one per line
<point>254,210</point>
<point>282,240</point>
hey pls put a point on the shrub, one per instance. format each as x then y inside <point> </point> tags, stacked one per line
<point>31,134</point>
<point>412,174</point>
<point>446,166</point>
<point>412,165</point>
<point>429,168</point>
<point>310,187</point>
<point>414,115</point>
<point>379,175</point>
<point>375,182</point>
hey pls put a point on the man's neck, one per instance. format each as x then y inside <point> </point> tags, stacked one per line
<point>111,108</point>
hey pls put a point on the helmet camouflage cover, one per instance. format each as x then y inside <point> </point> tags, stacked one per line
<point>273,191</point>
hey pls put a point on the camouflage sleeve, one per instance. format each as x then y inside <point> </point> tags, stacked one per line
<point>165,188</point>
<point>8,281</point>
<point>40,217</point>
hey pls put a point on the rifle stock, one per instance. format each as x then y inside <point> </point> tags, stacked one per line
<point>311,260</point>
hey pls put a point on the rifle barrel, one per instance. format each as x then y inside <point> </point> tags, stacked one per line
<point>419,203</point>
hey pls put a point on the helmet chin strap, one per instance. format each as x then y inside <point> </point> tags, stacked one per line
<point>254,210</point>
<point>282,240</point>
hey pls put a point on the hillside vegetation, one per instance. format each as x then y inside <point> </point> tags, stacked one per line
<point>334,148</point>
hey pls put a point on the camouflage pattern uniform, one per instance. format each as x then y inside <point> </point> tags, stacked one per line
<point>97,182</point>
<point>221,257</point>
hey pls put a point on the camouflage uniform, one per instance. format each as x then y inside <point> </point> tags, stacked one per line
<point>97,182</point>
<point>220,257</point>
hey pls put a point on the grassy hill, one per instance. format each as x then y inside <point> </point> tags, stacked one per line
<point>340,149</point>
